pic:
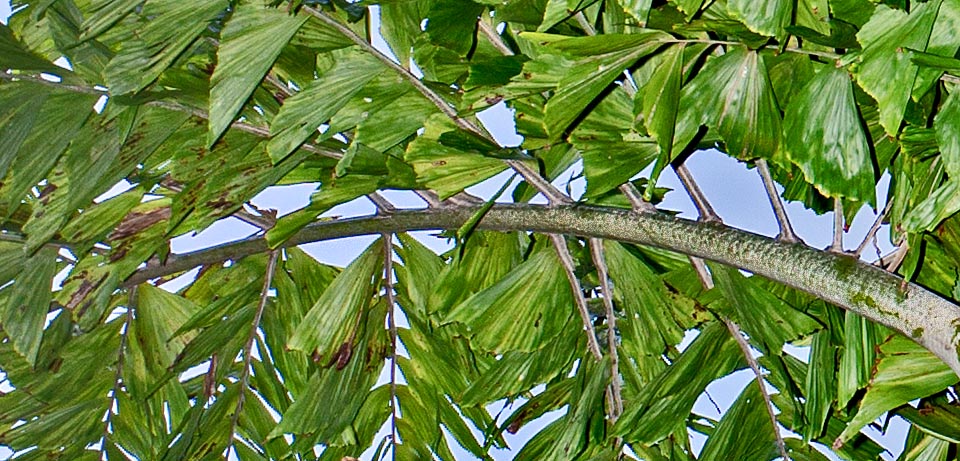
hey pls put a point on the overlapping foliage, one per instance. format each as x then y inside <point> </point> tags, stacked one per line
<point>269,354</point>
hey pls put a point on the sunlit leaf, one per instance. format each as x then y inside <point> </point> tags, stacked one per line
<point>823,135</point>
<point>904,372</point>
<point>249,44</point>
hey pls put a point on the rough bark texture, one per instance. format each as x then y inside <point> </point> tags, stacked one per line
<point>918,313</point>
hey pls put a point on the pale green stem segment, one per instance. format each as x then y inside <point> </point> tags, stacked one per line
<point>930,320</point>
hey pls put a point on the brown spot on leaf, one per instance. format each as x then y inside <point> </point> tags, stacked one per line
<point>136,221</point>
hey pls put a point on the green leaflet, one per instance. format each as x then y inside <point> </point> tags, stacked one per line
<point>947,126</point>
<point>172,26</point>
<point>824,136</point>
<point>400,26</point>
<point>935,416</point>
<point>649,327</point>
<point>744,432</point>
<point>820,387</point>
<point>26,309</point>
<point>327,329</point>
<point>521,312</point>
<point>603,59</point>
<point>733,94</point>
<point>448,170</point>
<point>159,315</point>
<point>885,70</point>
<point>672,394</point>
<point>639,9</point>
<point>489,257</point>
<point>104,14</point>
<point>13,55</point>
<point>452,24</point>
<point>249,44</point>
<point>334,396</point>
<point>768,320</point>
<point>857,356</point>
<point>766,18</point>
<point>303,113</point>
<point>939,205</point>
<point>557,11</point>
<point>57,123</point>
<point>904,372</point>
<point>660,100</point>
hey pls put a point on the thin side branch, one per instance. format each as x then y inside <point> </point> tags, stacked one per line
<point>872,233</point>
<point>251,336</point>
<point>786,230</point>
<point>837,245</point>
<point>529,174</point>
<point>615,391</point>
<point>392,327</point>
<point>699,199</point>
<point>707,281</point>
<point>569,267</point>
<point>734,330</point>
<point>118,376</point>
<point>636,199</point>
<point>495,39</point>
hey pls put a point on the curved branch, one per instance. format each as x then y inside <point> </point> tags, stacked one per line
<point>918,313</point>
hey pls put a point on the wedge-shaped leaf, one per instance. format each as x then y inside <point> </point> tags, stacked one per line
<point>365,170</point>
<point>767,18</point>
<point>583,424</point>
<point>557,11</point>
<point>488,257</point>
<point>12,258</point>
<point>941,204</point>
<point>607,57</point>
<point>13,55</point>
<point>820,387</point>
<point>744,432</point>
<point>335,395</point>
<point>518,372</point>
<point>417,277</point>
<point>649,326</point>
<point>18,114</point>
<point>857,357</point>
<point>935,416</point>
<point>89,168</point>
<point>303,113</point>
<point>885,69</point>
<point>166,29</point>
<point>639,9</point>
<point>77,423</point>
<point>944,41</point>
<point>733,94</point>
<point>397,121</point>
<point>327,328</point>
<point>159,315</point>
<point>400,27</point>
<point>663,405</point>
<point>447,170</point>
<point>612,149</point>
<point>904,372</point>
<point>57,124</point>
<point>249,44</point>
<point>660,102</point>
<point>521,312</point>
<point>823,135</point>
<point>947,125</point>
<point>103,14</point>
<point>767,319</point>
<point>26,309</point>
<point>452,24</point>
